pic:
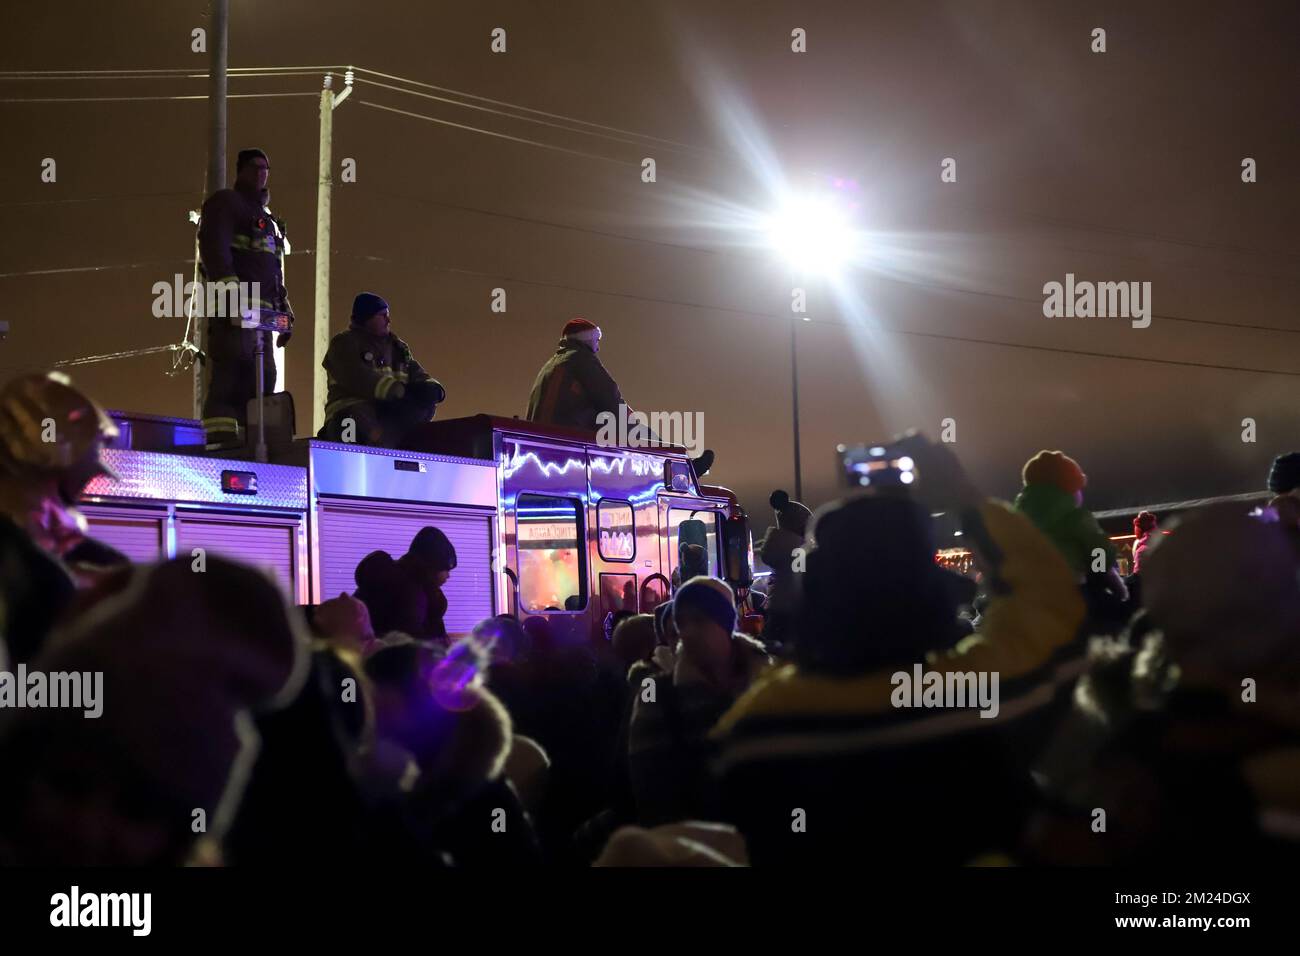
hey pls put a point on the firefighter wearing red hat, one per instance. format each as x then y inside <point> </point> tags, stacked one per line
<point>573,387</point>
<point>239,242</point>
<point>375,383</point>
<point>50,439</point>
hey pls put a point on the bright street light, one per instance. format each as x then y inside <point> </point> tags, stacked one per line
<point>813,234</point>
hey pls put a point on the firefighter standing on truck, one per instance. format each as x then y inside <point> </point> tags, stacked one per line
<point>239,243</point>
<point>377,390</point>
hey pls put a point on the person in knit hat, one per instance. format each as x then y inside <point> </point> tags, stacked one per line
<point>777,551</point>
<point>573,389</point>
<point>377,390</point>
<point>1052,498</point>
<point>667,749</point>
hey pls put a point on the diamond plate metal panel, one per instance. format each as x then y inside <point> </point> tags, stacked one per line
<point>155,476</point>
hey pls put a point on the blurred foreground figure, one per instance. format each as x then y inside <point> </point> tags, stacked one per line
<point>187,660</point>
<point>1284,475</point>
<point>838,755</point>
<point>1194,750</point>
<point>51,435</point>
<point>693,843</point>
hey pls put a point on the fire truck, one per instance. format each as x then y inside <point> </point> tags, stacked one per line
<point>545,520</point>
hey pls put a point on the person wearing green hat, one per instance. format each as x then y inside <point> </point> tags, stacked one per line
<point>1052,498</point>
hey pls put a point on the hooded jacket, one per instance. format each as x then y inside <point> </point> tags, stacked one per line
<point>572,388</point>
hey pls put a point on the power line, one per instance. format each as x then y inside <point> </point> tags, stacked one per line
<point>514,116</point>
<point>596,129</point>
<point>506,136</point>
<point>872,328</point>
<point>115,265</point>
<point>131,353</point>
<point>62,76</point>
<point>171,71</point>
<point>542,117</point>
<point>118,198</point>
<point>106,268</point>
<point>141,99</point>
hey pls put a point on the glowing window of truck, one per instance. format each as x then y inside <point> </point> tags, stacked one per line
<point>615,530</point>
<point>549,537</point>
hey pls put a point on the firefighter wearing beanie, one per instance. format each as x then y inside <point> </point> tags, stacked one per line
<point>377,390</point>
<point>1052,498</point>
<point>240,242</point>
<point>573,386</point>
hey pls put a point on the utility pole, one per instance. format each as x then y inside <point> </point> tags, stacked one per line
<point>217,59</point>
<point>794,395</point>
<point>329,102</point>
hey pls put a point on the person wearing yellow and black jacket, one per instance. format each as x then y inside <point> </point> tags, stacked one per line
<point>836,755</point>
<point>377,390</point>
<point>239,242</point>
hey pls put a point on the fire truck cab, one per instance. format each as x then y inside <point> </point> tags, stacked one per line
<point>544,520</point>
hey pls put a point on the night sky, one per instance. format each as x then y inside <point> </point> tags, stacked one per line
<point>1120,166</point>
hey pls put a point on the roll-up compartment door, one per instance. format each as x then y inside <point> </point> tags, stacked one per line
<point>348,533</point>
<point>138,533</point>
<point>255,541</point>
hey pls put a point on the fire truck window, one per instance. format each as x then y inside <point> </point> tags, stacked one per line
<point>551,575</point>
<point>616,536</point>
<point>709,519</point>
<point>618,592</point>
<point>654,591</point>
